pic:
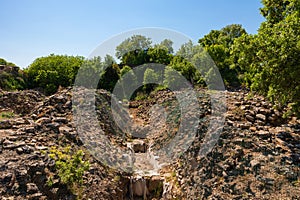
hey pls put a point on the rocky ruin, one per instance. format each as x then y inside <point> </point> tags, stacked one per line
<point>257,155</point>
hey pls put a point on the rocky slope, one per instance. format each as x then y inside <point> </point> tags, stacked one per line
<point>256,157</point>
<point>23,139</point>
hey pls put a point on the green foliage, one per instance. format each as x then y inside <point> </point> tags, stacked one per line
<point>110,76</point>
<point>276,11</point>
<point>2,61</point>
<point>270,59</point>
<point>166,44</point>
<point>137,50</point>
<point>141,96</point>
<point>70,166</point>
<point>6,115</point>
<point>188,50</point>
<point>128,80</point>
<point>10,82</point>
<point>160,88</point>
<point>11,77</point>
<point>151,79</point>
<point>135,42</point>
<point>218,44</point>
<point>124,70</point>
<point>183,66</point>
<point>48,73</point>
<point>128,77</point>
<point>159,54</point>
<point>90,71</point>
<point>135,58</point>
<point>171,78</point>
<point>194,57</point>
<point>133,50</point>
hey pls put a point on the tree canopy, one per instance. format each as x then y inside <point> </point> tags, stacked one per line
<point>50,72</point>
<point>270,59</point>
<point>218,44</point>
<point>11,77</point>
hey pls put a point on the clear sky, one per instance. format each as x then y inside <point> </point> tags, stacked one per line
<point>35,28</point>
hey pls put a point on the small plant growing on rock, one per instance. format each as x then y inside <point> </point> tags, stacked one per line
<point>6,115</point>
<point>70,167</point>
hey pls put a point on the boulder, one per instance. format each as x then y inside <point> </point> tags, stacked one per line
<point>6,124</point>
<point>261,117</point>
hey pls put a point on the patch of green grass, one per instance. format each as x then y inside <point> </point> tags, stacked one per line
<point>141,96</point>
<point>160,88</point>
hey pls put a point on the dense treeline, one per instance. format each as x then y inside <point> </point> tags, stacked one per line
<point>267,62</point>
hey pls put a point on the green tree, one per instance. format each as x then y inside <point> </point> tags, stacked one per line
<point>11,76</point>
<point>128,81</point>
<point>277,10</point>
<point>166,44</point>
<point>10,81</point>
<point>218,44</point>
<point>2,61</point>
<point>187,50</point>
<point>111,75</point>
<point>185,67</point>
<point>50,72</point>
<point>150,80</point>
<point>135,58</point>
<point>90,71</point>
<point>135,42</point>
<point>270,59</point>
<point>197,57</point>
<point>159,55</point>
<point>133,50</point>
<point>171,78</point>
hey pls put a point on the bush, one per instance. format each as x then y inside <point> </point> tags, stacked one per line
<point>70,167</point>
<point>48,73</point>
<point>12,80</point>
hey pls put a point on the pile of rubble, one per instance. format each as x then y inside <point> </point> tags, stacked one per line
<point>25,140</point>
<point>20,102</point>
<point>256,156</point>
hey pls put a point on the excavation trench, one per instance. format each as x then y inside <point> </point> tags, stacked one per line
<point>145,182</point>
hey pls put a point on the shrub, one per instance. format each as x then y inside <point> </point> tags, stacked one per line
<point>53,71</point>
<point>70,167</point>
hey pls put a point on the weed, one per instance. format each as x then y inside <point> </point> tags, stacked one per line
<point>6,115</point>
<point>249,96</point>
<point>70,168</point>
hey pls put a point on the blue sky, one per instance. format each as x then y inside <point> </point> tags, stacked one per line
<point>34,28</point>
